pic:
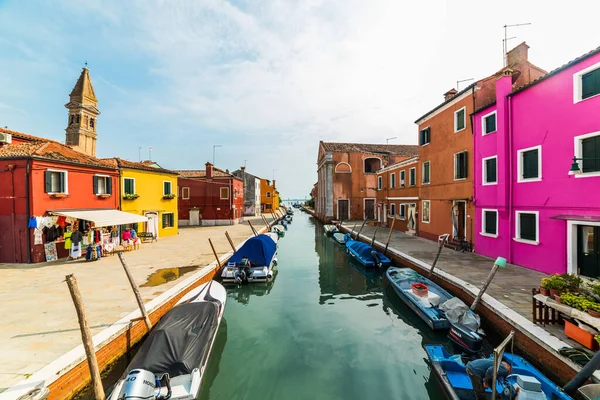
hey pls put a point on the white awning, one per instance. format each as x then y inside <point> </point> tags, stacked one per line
<point>102,218</point>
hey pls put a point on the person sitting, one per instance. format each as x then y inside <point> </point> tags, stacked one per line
<point>481,373</point>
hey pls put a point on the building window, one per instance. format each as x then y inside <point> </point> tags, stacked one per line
<point>102,184</point>
<point>426,217</point>
<point>460,165</point>
<point>412,177</point>
<point>372,165</point>
<point>56,181</point>
<point>392,181</point>
<point>343,168</point>
<point>490,170</point>
<point>489,224</point>
<point>489,123</point>
<point>168,220</point>
<point>92,122</point>
<point>402,211</point>
<point>530,164</point>
<point>425,173</point>
<point>459,119</point>
<point>72,119</point>
<point>268,194</point>
<point>425,136</point>
<point>77,118</point>
<point>167,188</point>
<point>224,193</point>
<point>185,193</point>
<point>128,186</point>
<point>527,229</point>
<point>379,182</point>
<point>402,179</point>
<point>588,147</point>
<point>586,83</point>
<point>392,210</point>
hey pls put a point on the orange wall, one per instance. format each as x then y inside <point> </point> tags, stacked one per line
<point>407,191</point>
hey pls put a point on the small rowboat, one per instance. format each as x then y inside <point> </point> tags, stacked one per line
<point>330,229</point>
<point>366,255</point>
<point>341,238</point>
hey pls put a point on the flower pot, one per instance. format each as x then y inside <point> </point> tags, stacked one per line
<point>544,291</point>
<point>594,313</point>
<point>557,298</point>
<point>580,336</point>
<point>554,292</point>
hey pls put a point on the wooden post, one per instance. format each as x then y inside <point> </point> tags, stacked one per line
<point>266,222</point>
<point>251,227</point>
<point>442,239</point>
<point>353,229</point>
<point>389,236</point>
<point>86,337</point>
<point>136,291</point>
<point>360,230</point>
<point>230,241</point>
<point>374,234</point>
<point>500,263</point>
<point>498,354</point>
<point>274,217</point>
<point>215,253</point>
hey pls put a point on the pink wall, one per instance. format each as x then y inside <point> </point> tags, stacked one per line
<point>544,114</point>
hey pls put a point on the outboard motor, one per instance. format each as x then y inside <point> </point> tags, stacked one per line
<point>524,388</point>
<point>143,384</point>
<point>243,271</point>
<point>376,258</point>
<point>465,340</point>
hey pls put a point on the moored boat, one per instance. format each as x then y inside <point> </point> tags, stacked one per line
<point>171,362</point>
<point>253,262</point>
<point>525,379</point>
<point>330,229</point>
<point>366,255</point>
<point>278,229</point>
<point>340,237</point>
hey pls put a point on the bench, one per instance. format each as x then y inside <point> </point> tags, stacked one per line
<point>146,236</point>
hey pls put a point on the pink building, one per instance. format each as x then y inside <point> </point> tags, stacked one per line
<point>529,208</point>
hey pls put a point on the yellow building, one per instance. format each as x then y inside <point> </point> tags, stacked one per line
<point>150,190</point>
<point>269,196</point>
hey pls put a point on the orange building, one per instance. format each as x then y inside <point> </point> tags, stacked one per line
<point>347,177</point>
<point>398,195</point>
<point>446,153</point>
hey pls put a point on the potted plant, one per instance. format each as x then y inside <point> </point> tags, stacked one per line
<point>572,282</point>
<point>130,196</point>
<point>556,284</point>
<point>544,289</point>
<point>169,196</point>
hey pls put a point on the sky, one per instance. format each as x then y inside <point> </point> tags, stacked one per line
<point>265,79</point>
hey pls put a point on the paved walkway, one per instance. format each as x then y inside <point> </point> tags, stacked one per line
<point>38,323</point>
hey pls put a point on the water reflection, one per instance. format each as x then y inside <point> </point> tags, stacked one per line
<point>212,369</point>
<point>164,275</point>
<point>242,293</point>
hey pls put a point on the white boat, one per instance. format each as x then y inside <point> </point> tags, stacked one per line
<point>279,229</point>
<point>273,235</point>
<point>255,261</point>
<point>330,229</point>
<point>171,362</point>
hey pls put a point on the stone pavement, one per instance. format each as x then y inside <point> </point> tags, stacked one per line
<point>38,322</point>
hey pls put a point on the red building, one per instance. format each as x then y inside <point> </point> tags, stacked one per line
<point>210,197</point>
<point>38,176</point>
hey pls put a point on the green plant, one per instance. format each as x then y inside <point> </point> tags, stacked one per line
<point>556,282</point>
<point>169,196</point>
<point>130,196</point>
<point>573,282</point>
<point>597,337</point>
<point>545,283</point>
<point>580,302</point>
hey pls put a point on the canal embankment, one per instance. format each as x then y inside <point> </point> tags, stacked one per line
<point>506,306</point>
<point>40,338</point>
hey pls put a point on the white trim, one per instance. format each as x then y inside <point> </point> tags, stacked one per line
<point>342,172</point>
<point>401,164</point>
<point>445,107</point>
<point>572,243</point>
<point>578,146</point>
<point>368,158</point>
<point>365,205</point>
<point>393,180</point>
<point>402,180</point>
<point>484,170</point>
<point>379,182</point>
<point>483,132</point>
<point>221,193</point>
<point>467,169</point>
<point>66,174</point>
<point>518,226</point>
<point>423,172</point>
<point>170,188</point>
<point>182,191</point>
<point>483,232</point>
<point>402,213</point>
<point>456,130</point>
<point>393,209</point>
<point>415,182</point>
<point>338,208</point>
<point>577,83</point>
<point>134,192</point>
<point>402,198</point>
<point>423,211</point>
<point>520,178</point>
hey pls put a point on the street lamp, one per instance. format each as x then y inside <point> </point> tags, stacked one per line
<point>214,147</point>
<point>575,170</point>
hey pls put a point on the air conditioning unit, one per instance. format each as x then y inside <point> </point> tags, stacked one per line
<point>5,138</point>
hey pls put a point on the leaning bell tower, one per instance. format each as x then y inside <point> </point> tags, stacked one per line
<point>83,115</point>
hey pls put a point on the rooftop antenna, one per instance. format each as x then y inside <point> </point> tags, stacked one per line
<point>140,153</point>
<point>506,38</point>
<point>245,163</point>
<point>149,152</point>
<point>464,80</point>
<point>387,141</point>
<point>214,147</point>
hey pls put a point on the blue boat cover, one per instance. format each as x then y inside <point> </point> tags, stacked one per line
<point>259,250</point>
<point>363,250</point>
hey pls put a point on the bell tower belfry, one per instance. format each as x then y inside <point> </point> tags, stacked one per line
<point>83,115</point>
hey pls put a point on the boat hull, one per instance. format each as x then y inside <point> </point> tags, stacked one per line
<point>369,263</point>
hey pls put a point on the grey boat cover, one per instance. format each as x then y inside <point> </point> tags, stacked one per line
<point>180,341</point>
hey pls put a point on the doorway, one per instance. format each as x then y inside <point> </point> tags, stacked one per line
<point>459,219</point>
<point>588,250</point>
<point>369,208</point>
<point>152,224</point>
<point>343,210</point>
<point>194,217</point>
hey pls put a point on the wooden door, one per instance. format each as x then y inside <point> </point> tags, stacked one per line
<point>195,217</point>
<point>370,208</point>
<point>588,250</point>
<point>343,210</point>
<point>462,219</point>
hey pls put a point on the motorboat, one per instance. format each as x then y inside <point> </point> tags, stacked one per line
<point>255,261</point>
<point>438,308</point>
<point>341,238</point>
<point>366,255</point>
<point>330,229</point>
<point>525,380</point>
<point>289,211</point>
<point>273,235</point>
<point>278,229</point>
<point>288,217</point>
<point>171,362</point>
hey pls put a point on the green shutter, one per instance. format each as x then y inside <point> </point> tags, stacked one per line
<point>48,182</point>
<point>61,176</point>
<point>460,120</point>
<point>490,170</point>
<point>95,184</point>
<point>591,151</point>
<point>527,226</point>
<point>167,188</point>
<point>164,220</point>
<point>421,138</point>
<point>490,123</point>
<point>109,187</point>
<point>590,84</point>
<point>530,164</point>
<point>490,223</point>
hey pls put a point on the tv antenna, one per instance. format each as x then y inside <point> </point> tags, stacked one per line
<point>506,39</point>
<point>387,141</point>
<point>464,80</point>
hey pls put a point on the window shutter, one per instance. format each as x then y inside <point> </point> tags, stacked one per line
<point>109,187</point>
<point>490,170</point>
<point>591,149</point>
<point>590,84</point>
<point>164,220</point>
<point>490,222</point>
<point>421,135</point>
<point>530,164</point>
<point>490,123</point>
<point>61,176</point>
<point>465,165</point>
<point>48,182</point>
<point>527,226</point>
<point>95,183</point>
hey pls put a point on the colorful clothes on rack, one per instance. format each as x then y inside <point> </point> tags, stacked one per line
<point>76,249</point>
<point>68,242</point>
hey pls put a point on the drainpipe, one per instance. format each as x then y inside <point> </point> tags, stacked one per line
<point>28,208</point>
<point>509,181</point>
<point>11,169</point>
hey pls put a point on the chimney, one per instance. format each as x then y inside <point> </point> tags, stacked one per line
<point>243,169</point>
<point>450,94</point>
<point>518,55</point>
<point>209,170</point>
<point>273,183</point>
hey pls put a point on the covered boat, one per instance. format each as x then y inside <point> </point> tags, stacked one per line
<point>253,262</point>
<point>366,255</point>
<point>330,229</point>
<point>341,238</point>
<point>438,308</point>
<point>525,379</point>
<point>172,360</point>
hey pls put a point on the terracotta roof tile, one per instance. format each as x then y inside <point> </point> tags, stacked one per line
<point>23,136</point>
<point>201,173</point>
<point>393,149</point>
<point>144,165</point>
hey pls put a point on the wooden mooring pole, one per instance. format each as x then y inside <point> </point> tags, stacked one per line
<point>500,263</point>
<point>389,235</point>
<point>136,291</point>
<point>215,253</point>
<point>253,230</point>
<point>266,222</point>
<point>86,337</point>
<point>374,234</point>
<point>230,241</point>
<point>442,240</point>
<point>360,230</point>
